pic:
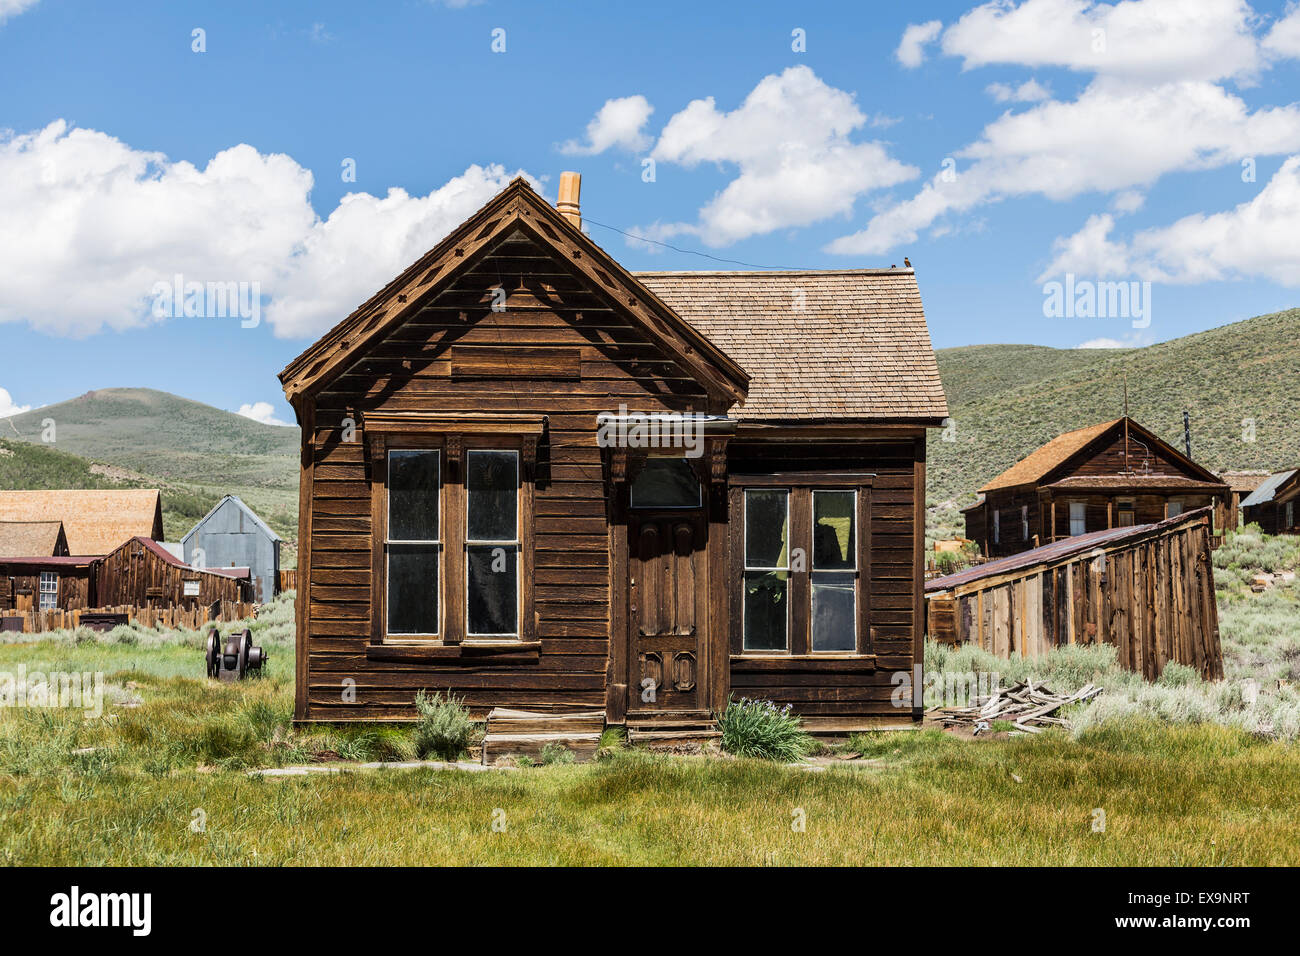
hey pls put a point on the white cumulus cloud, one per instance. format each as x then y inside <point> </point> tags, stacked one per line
<point>88,226</point>
<point>1284,38</point>
<point>917,36</point>
<point>9,407</point>
<point>619,123</point>
<point>790,141</point>
<point>260,412</point>
<point>1030,91</point>
<point>11,8</point>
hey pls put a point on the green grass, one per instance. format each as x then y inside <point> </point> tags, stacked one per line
<point>124,790</point>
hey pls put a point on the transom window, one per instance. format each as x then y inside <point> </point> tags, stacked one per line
<point>802,582</point>
<point>666,483</point>
<point>49,597</point>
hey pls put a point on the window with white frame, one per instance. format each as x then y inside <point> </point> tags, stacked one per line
<point>49,597</point>
<point>1290,515</point>
<point>1078,517</point>
<point>834,571</point>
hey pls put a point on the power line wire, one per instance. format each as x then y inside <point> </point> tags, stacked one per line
<point>693,252</point>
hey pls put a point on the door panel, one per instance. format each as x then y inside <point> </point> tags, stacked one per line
<point>667,582</point>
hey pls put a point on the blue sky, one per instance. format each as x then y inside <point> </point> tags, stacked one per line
<point>1121,158</point>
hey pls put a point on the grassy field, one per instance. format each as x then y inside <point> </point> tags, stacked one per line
<point>1179,783</point>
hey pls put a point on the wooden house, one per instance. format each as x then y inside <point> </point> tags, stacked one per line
<point>539,481</point>
<point>143,574</point>
<point>36,572</point>
<point>1241,484</point>
<point>1116,474</point>
<point>231,535</point>
<point>1275,504</point>
<point>1148,590</point>
<point>95,521</point>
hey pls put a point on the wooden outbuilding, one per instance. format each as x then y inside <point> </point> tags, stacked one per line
<point>143,574</point>
<point>36,572</point>
<point>231,535</point>
<point>1275,504</point>
<point>1241,484</point>
<point>539,481</point>
<point>94,521</point>
<point>1148,590</point>
<point>1116,474</point>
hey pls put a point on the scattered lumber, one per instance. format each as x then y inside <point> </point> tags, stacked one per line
<point>1030,708</point>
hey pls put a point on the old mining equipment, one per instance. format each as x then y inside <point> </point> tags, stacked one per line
<point>236,659</point>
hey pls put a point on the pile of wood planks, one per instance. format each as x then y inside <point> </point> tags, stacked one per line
<point>1029,707</point>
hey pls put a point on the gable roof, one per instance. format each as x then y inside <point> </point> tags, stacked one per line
<point>1267,489</point>
<point>95,521</point>
<point>242,507</point>
<point>1041,462</point>
<point>1243,481</point>
<point>157,548</point>
<point>839,344</point>
<point>30,539</point>
<point>1046,457</point>
<point>517,207</point>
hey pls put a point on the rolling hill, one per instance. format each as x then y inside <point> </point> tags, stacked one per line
<point>138,437</point>
<point>1006,400</point>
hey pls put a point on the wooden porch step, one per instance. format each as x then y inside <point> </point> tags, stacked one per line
<point>654,735</point>
<point>496,746</point>
<point>506,721</point>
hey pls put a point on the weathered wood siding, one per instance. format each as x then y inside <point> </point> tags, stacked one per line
<point>840,688</point>
<point>135,575</point>
<point>556,348</point>
<point>1151,596</point>
<point>20,587</point>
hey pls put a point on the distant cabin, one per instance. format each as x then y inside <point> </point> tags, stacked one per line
<point>1275,504</point>
<point>1114,474</point>
<point>36,572</point>
<point>1241,484</point>
<point>142,573</point>
<point>542,482</point>
<point>232,535</point>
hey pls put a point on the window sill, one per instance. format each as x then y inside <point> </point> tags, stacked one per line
<point>505,652</point>
<point>788,662</point>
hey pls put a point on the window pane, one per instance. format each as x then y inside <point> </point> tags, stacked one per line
<point>493,589</point>
<point>412,589</point>
<point>666,483</point>
<point>765,610</point>
<point>834,623</point>
<point>834,544</point>
<point>766,531</point>
<point>492,480</point>
<point>413,495</point>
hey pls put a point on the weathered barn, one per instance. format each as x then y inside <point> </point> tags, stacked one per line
<point>539,481</point>
<point>1275,504</point>
<point>95,521</point>
<point>1115,474</point>
<point>232,535</point>
<point>1148,590</point>
<point>142,573</point>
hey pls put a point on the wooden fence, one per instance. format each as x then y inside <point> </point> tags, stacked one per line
<point>35,622</point>
<point>1147,590</point>
<point>288,580</point>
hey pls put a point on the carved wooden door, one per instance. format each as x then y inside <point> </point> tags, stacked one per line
<point>667,609</point>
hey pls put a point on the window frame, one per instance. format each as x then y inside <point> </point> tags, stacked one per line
<point>745,569</point>
<point>801,486</point>
<point>467,542</point>
<point>997,525</point>
<point>856,570</point>
<point>42,591</point>
<point>1024,522</point>
<point>439,546</point>
<point>1083,517</point>
<point>453,529</point>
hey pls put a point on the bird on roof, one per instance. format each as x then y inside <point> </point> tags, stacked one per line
<point>907,263</point>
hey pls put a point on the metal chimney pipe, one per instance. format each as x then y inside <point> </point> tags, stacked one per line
<point>1187,433</point>
<point>567,204</point>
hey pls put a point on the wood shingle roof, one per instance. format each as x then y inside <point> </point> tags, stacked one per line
<point>841,344</point>
<point>95,521</point>
<point>30,539</point>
